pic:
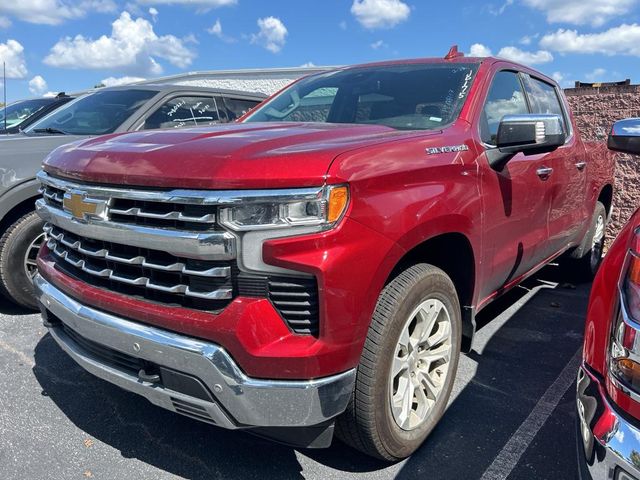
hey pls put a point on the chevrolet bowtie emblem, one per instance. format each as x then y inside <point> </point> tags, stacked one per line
<point>81,207</point>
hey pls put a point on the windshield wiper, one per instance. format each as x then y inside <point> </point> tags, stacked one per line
<point>53,131</point>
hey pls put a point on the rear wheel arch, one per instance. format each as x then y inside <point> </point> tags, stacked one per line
<point>606,198</point>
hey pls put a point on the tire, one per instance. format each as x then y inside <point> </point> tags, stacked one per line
<point>18,242</point>
<point>585,260</point>
<point>374,423</point>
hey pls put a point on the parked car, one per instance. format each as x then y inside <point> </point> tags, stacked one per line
<point>107,110</point>
<point>319,264</point>
<point>608,401</point>
<point>19,115</point>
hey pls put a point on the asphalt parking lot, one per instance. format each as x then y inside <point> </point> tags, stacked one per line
<point>511,415</point>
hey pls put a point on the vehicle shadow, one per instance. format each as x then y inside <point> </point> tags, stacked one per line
<point>521,350</point>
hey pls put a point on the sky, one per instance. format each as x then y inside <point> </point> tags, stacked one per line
<point>63,45</point>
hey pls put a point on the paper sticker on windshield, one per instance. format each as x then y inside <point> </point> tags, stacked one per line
<point>447,149</point>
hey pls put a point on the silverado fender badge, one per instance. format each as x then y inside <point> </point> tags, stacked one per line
<point>447,149</point>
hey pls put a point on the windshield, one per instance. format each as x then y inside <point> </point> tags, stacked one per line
<point>95,114</point>
<point>18,112</point>
<point>404,97</point>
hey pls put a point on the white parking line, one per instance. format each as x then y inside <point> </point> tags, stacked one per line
<point>510,454</point>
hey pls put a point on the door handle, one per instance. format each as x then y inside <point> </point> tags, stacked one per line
<point>580,165</point>
<point>544,172</point>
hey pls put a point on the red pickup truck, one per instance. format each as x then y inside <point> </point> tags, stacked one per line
<point>318,265</point>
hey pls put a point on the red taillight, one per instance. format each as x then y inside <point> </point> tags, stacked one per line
<point>630,284</point>
<point>624,349</point>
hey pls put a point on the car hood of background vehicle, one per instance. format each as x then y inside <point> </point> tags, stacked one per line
<point>21,156</point>
<point>19,145</point>
<point>251,155</point>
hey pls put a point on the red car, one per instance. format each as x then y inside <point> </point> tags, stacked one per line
<point>319,264</point>
<point>608,400</point>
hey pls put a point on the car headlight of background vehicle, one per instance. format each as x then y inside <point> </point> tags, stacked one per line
<point>256,219</point>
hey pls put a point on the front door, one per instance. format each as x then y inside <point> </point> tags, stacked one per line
<point>515,200</point>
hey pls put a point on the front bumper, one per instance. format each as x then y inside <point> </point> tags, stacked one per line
<point>608,443</point>
<point>216,390</point>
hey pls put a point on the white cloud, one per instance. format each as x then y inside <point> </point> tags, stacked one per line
<point>216,29</point>
<point>374,14</point>
<point>308,65</point>
<point>37,85</point>
<point>621,40</point>
<point>499,10</point>
<point>132,48</point>
<point>199,3</point>
<point>379,44</point>
<point>512,53</point>
<point>12,53</point>
<point>343,25</point>
<point>154,14</point>
<point>557,76</point>
<point>528,39</point>
<point>479,50</point>
<point>5,22</point>
<point>117,81</point>
<point>581,12</point>
<point>272,34</point>
<point>596,74</point>
<point>527,58</point>
<point>50,94</point>
<point>53,12</point>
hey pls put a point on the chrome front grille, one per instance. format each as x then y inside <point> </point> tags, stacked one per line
<point>122,267</point>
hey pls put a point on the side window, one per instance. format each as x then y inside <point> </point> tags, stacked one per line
<point>183,112</point>
<point>236,107</point>
<point>505,98</point>
<point>544,98</point>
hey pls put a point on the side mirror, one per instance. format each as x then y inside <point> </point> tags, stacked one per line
<point>529,134</point>
<point>625,136</point>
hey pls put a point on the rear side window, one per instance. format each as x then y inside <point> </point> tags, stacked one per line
<point>184,112</point>
<point>506,97</point>
<point>236,107</point>
<point>544,98</point>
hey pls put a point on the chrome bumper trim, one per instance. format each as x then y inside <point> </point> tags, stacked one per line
<point>202,246</point>
<point>242,401</point>
<point>606,440</point>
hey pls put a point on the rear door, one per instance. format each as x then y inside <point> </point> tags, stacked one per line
<point>516,199</point>
<point>568,212</point>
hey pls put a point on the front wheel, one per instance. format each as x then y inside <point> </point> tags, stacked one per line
<point>19,247</point>
<point>408,365</point>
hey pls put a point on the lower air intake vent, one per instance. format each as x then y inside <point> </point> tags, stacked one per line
<point>297,301</point>
<point>191,410</point>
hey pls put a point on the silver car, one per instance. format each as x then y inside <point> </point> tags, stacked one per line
<point>101,112</point>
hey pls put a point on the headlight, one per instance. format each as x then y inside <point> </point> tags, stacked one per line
<point>321,208</point>
<point>257,218</point>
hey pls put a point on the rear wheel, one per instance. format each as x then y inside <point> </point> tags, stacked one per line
<point>586,259</point>
<point>408,365</point>
<point>19,247</point>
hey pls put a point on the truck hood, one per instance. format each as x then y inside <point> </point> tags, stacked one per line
<point>251,155</point>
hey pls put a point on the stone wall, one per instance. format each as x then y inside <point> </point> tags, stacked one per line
<point>595,110</point>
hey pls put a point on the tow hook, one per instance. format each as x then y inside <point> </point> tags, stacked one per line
<point>148,377</point>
